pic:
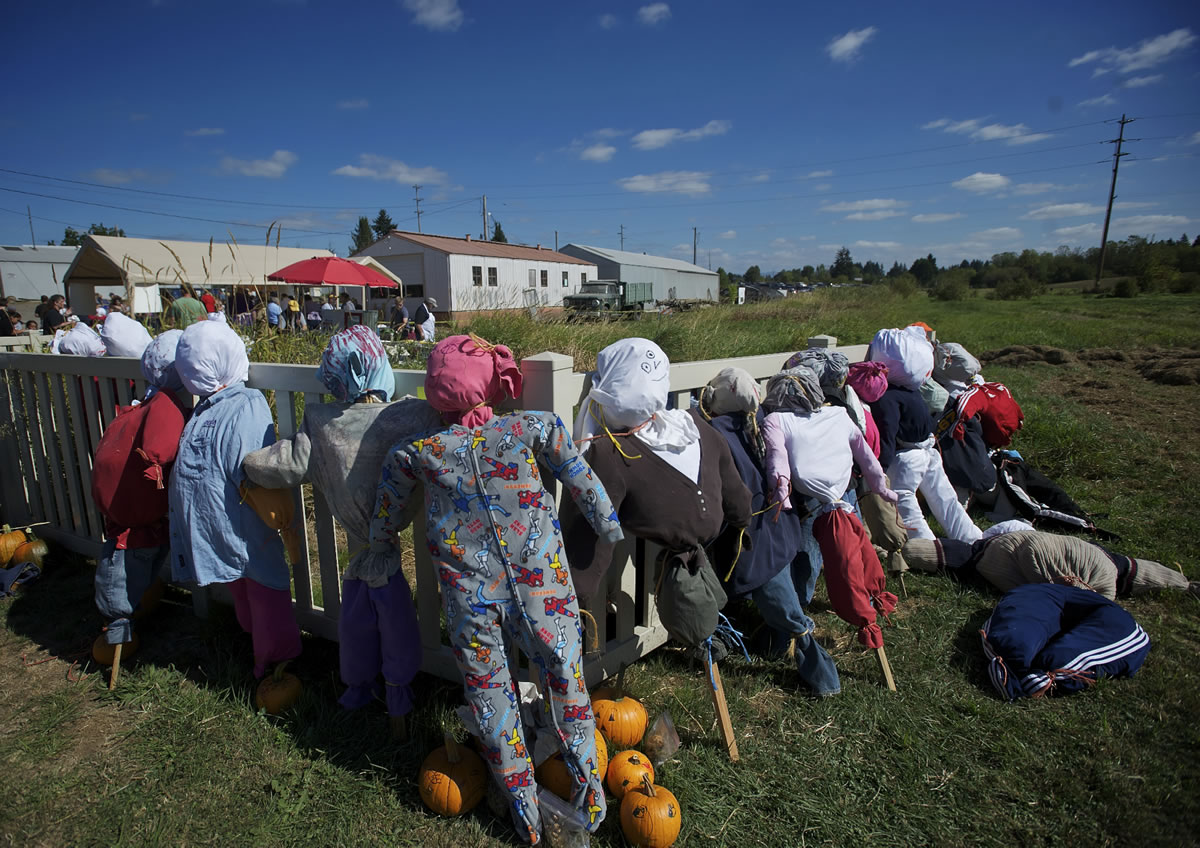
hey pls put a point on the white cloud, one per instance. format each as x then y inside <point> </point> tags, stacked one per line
<point>655,13</point>
<point>1148,53</point>
<point>997,234</point>
<point>864,205</point>
<point>982,183</point>
<point>273,168</point>
<point>1036,188</point>
<point>607,21</point>
<point>976,129</point>
<point>882,245</point>
<point>1147,224</point>
<point>845,48</point>
<point>1102,100</point>
<point>1062,210</point>
<point>354,103</point>
<point>765,176</point>
<point>115,176</point>
<point>728,234</point>
<point>878,215</point>
<point>1133,204</point>
<point>936,217</point>
<point>437,15</point>
<point>816,175</point>
<point>822,187</point>
<point>654,139</point>
<point>675,182</point>
<point>381,168</point>
<point>597,153</point>
<point>1140,82</point>
<point>1080,232</point>
<point>1195,139</point>
<point>202,131</point>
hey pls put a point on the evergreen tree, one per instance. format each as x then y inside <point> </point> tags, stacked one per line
<point>843,265</point>
<point>498,234</point>
<point>382,225</point>
<point>362,236</point>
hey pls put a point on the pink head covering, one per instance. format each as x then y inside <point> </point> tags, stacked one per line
<point>465,375</point>
<point>868,379</point>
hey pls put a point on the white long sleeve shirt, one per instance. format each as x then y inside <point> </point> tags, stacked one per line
<point>817,453</point>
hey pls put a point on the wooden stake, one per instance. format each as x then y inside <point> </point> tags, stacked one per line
<point>116,668</point>
<point>718,695</point>
<point>399,727</point>
<point>887,668</point>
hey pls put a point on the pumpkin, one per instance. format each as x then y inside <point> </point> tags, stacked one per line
<point>278,691</point>
<point>452,780</point>
<point>10,540</point>
<point>103,653</point>
<point>555,776</point>
<point>32,550</point>
<point>650,816</point>
<point>626,771</point>
<point>150,598</point>
<point>621,719</point>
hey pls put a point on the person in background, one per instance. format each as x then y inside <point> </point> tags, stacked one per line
<point>348,305</point>
<point>399,320</point>
<point>40,309</point>
<point>53,316</point>
<point>210,302</point>
<point>274,310</point>
<point>31,325</point>
<point>6,322</point>
<point>216,536</point>
<point>424,319</point>
<point>293,318</point>
<point>185,311</point>
<point>116,304</point>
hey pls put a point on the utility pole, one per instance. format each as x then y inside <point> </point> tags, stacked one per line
<point>556,241</point>
<point>695,241</point>
<point>32,237</point>
<point>621,233</point>
<point>484,237</point>
<point>1112,193</point>
<point>417,199</point>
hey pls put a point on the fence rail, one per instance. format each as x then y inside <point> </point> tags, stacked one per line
<point>53,410</point>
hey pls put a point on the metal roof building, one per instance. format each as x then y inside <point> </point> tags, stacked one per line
<point>29,271</point>
<point>672,278</point>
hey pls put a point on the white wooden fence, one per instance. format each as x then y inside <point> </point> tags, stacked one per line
<point>53,410</point>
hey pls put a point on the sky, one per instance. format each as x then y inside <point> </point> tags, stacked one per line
<point>771,133</point>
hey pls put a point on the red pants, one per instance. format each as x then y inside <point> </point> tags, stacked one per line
<point>853,575</point>
<point>266,614</point>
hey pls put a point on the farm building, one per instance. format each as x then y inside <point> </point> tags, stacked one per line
<point>29,271</point>
<point>141,266</point>
<point>673,279</point>
<point>468,275</point>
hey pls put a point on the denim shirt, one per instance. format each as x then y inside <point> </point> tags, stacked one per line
<point>215,538</point>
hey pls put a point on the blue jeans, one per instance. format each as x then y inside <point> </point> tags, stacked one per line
<point>122,577</point>
<point>778,601</point>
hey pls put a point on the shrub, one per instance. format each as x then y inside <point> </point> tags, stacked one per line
<point>1186,282</point>
<point>904,285</point>
<point>953,285</point>
<point>1016,285</point>
<point>1125,287</point>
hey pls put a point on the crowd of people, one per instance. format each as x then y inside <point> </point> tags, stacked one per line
<point>750,493</point>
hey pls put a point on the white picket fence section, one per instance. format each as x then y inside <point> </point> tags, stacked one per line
<point>53,410</point>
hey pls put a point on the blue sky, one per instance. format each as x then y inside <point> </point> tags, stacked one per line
<point>781,131</point>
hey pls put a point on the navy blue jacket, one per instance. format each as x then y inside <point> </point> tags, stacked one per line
<point>901,415</point>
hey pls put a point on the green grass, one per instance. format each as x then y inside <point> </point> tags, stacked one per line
<point>177,755</point>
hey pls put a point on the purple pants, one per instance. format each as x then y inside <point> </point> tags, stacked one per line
<point>266,614</point>
<point>377,631</point>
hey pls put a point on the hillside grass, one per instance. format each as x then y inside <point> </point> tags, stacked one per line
<point>177,755</point>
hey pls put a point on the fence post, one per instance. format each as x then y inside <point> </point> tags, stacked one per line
<point>547,384</point>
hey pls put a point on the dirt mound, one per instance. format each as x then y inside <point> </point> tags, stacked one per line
<point>1025,354</point>
<point>1170,367</point>
<point>1104,354</point>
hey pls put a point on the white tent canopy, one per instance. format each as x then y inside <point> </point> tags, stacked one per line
<point>142,265</point>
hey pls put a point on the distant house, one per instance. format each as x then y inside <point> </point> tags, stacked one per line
<point>672,278</point>
<point>29,271</point>
<point>468,275</point>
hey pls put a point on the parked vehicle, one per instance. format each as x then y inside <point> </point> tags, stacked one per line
<point>601,298</point>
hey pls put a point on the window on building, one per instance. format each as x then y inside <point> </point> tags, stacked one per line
<point>566,282</point>
<point>532,278</point>
<point>492,281</point>
<point>545,278</point>
<point>583,277</point>
<point>477,275</point>
<point>414,291</point>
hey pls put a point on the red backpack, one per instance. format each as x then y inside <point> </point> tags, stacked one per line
<point>129,471</point>
<point>999,414</point>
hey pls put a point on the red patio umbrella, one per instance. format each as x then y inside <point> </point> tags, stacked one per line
<point>331,271</point>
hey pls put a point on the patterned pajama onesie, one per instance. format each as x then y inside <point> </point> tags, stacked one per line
<point>494,536</point>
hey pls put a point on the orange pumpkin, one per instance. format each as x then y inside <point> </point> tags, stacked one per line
<point>452,780</point>
<point>555,776</point>
<point>32,550</point>
<point>626,771</point>
<point>650,816</point>
<point>103,653</point>
<point>278,691</point>
<point>10,540</point>
<point>621,719</point>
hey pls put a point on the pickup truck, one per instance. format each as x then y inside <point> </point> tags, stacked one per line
<point>601,298</point>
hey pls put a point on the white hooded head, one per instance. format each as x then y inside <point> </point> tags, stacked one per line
<point>210,357</point>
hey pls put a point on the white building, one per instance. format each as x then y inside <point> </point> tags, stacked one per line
<point>673,279</point>
<point>468,275</point>
<point>29,271</point>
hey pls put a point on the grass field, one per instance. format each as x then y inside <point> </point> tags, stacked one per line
<point>178,756</point>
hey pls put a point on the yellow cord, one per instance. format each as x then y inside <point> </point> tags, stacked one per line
<point>741,535</point>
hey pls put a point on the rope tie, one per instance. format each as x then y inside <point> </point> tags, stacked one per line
<point>611,435</point>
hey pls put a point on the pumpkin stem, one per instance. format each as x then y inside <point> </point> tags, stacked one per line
<point>647,784</point>
<point>277,674</point>
<point>452,752</point>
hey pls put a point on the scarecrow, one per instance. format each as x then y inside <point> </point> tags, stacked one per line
<point>812,448</point>
<point>339,449</point>
<point>496,542</point>
<point>215,536</point>
<point>775,568</point>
